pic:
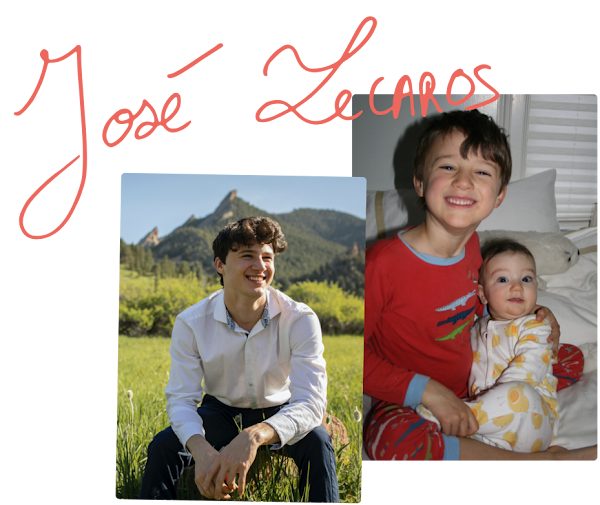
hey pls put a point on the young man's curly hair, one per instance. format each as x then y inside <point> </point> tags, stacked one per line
<point>246,232</point>
<point>482,134</point>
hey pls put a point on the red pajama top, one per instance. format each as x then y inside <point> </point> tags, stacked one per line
<point>418,318</point>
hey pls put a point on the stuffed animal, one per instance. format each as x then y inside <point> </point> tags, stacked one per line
<point>553,252</point>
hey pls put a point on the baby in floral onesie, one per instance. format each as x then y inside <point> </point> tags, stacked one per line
<point>512,391</point>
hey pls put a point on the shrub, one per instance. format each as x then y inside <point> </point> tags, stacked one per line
<point>338,311</point>
<point>149,305</point>
<point>151,308</point>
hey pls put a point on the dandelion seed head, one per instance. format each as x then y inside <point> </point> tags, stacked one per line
<point>129,393</point>
<point>357,415</point>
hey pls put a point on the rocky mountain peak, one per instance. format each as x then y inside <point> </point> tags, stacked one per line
<point>223,211</point>
<point>150,240</point>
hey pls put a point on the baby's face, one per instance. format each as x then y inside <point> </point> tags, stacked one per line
<point>509,286</point>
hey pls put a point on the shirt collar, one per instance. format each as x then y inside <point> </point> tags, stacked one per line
<point>264,319</point>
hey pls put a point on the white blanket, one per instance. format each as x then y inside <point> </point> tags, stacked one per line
<point>573,296</point>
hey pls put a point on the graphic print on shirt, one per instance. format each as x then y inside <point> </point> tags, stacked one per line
<point>460,302</point>
<point>457,303</point>
<point>455,319</point>
<point>457,331</point>
<point>473,276</point>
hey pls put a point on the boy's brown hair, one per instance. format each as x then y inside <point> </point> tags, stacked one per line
<point>482,134</point>
<point>495,247</point>
<point>246,232</point>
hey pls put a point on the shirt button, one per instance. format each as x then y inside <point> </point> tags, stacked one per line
<point>250,384</point>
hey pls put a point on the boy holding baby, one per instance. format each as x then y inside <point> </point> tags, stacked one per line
<point>422,300</point>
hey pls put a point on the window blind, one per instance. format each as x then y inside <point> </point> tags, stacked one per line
<point>563,134</point>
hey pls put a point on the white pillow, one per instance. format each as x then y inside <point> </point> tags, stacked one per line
<point>529,205</point>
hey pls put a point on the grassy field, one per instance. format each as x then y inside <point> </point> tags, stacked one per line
<point>144,369</point>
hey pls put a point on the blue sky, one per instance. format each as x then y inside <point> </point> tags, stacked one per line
<point>167,200</point>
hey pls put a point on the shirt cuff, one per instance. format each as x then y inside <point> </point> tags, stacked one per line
<point>186,424</point>
<point>187,432</point>
<point>451,448</point>
<point>285,428</point>
<point>415,390</point>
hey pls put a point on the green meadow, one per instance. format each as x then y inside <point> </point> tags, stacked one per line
<point>144,364</point>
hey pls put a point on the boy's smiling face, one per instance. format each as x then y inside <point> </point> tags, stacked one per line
<point>508,286</point>
<point>459,193</point>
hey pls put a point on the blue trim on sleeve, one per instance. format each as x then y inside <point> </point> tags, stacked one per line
<point>451,448</point>
<point>486,312</point>
<point>415,390</point>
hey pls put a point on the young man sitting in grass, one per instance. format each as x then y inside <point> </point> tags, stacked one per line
<point>421,300</point>
<point>257,356</point>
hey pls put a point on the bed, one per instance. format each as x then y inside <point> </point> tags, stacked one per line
<point>571,295</point>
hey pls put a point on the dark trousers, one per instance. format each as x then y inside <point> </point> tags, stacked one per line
<point>167,457</point>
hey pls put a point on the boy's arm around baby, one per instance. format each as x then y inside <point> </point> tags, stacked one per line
<point>542,313</point>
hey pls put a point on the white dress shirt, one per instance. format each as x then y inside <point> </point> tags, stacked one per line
<point>280,360</point>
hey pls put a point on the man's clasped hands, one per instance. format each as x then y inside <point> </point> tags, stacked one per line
<point>215,472</point>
